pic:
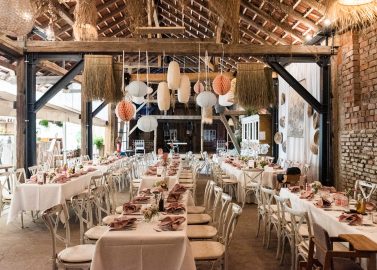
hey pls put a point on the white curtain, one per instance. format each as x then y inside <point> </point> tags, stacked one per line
<point>298,149</point>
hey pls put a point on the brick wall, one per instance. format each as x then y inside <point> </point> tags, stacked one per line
<point>355,92</point>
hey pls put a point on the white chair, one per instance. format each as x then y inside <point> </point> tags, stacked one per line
<point>251,183</point>
<point>201,209</point>
<point>139,146</point>
<point>217,251</point>
<point>366,188</point>
<point>220,146</point>
<point>34,169</point>
<point>269,209</point>
<point>71,257</point>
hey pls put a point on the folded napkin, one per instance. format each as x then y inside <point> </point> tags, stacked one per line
<point>145,191</point>
<point>171,173</point>
<point>33,179</point>
<point>122,222</point>
<point>294,189</point>
<point>173,197</point>
<point>352,219</point>
<point>171,223</point>
<point>150,172</point>
<point>140,199</point>
<point>370,206</point>
<point>60,179</point>
<point>174,208</point>
<point>157,190</point>
<point>329,189</point>
<point>307,195</point>
<point>129,208</point>
<point>178,189</point>
<point>323,202</point>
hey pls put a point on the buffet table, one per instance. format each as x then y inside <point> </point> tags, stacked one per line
<point>145,248</point>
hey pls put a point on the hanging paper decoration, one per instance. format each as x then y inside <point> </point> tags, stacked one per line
<point>163,96</point>
<point>224,100</point>
<point>85,25</point>
<point>137,89</point>
<point>184,90</point>
<point>254,86</point>
<point>138,100</point>
<point>230,122</point>
<point>173,99</point>
<point>221,84</point>
<point>207,115</point>
<point>174,75</point>
<point>147,123</point>
<point>149,90</point>
<point>118,92</point>
<point>198,87</point>
<point>16,17</point>
<point>125,110</point>
<point>206,99</point>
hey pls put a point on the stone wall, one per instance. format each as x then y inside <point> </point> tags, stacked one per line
<point>355,101</point>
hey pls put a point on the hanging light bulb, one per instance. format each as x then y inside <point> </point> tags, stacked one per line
<point>50,34</point>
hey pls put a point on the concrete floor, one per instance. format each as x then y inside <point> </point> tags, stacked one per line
<point>30,248</point>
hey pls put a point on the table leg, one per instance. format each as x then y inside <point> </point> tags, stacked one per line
<point>372,262</point>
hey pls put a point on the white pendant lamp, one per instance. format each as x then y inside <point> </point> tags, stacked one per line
<point>138,100</point>
<point>184,90</point>
<point>147,123</point>
<point>149,90</point>
<point>163,96</point>
<point>224,100</point>
<point>206,99</point>
<point>137,89</point>
<point>174,75</point>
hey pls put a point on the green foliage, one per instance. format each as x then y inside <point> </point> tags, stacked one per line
<point>59,123</point>
<point>98,142</point>
<point>44,123</point>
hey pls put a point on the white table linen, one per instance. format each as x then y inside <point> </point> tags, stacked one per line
<point>145,248</point>
<point>35,197</point>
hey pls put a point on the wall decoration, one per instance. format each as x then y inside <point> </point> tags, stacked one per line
<point>282,99</point>
<point>296,107</point>
<point>284,146</point>
<point>310,111</point>
<point>315,120</point>
<point>282,121</point>
<point>278,137</point>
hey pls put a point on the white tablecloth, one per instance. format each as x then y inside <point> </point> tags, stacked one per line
<point>147,181</point>
<point>35,197</point>
<point>144,249</point>
<point>328,219</point>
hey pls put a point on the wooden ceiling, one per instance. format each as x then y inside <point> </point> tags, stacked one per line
<point>272,22</point>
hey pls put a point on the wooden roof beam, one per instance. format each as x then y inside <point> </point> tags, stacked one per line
<point>58,70</point>
<point>10,47</point>
<point>159,77</point>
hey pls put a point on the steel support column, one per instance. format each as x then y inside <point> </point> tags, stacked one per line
<point>89,128</point>
<point>99,108</point>
<point>325,137</point>
<point>31,117</point>
<point>275,122</point>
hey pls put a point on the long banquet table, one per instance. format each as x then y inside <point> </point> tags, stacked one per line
<point>145,248</point>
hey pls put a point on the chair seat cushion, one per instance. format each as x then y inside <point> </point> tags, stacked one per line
<point>201,231</point>
<point>119,209</point>
<point>207,250</point>
<point>229,181</point>
<point>193,219</point>
<point>136,180</point>
<point>185,181</point>
<point>77,254</point>
<point>195,209</point>
<point>96,232</point>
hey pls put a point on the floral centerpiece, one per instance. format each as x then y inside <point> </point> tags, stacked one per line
<point>316,185</point>
<point>165,158</point>
<point>150,212</point>
<point>161,184</point>
<point>262,163</point>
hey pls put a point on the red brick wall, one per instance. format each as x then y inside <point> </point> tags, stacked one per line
<point>355,92</point>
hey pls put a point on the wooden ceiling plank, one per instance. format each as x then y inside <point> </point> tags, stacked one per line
<point>58,70</point>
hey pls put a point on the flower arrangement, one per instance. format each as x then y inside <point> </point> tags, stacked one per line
<point>349,192</point>
<point>262,163</point>
<point>161,184</point>
<point>316,185</point>
<point>150,212</point>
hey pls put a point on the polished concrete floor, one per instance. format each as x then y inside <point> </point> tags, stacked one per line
<point>30,248</point>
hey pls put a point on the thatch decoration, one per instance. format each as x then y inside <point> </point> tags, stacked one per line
<point>85,26</point>
<point>207,115</point>
<point>118,87</point>
<point>229,11</point>
<point>98,77</point>
<point>351,14</point>
<point>136,13</point>
<point>254,86</point>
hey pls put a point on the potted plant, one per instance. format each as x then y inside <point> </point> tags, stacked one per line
<point>98,142</point>
<point>44,123</point>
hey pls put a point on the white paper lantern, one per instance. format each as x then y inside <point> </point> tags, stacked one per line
<point>174,75</point>
<point>137,89</point>
<point>147,123</point>
<point>184,90</point>
<point>149,90</point>
<point>206,99</point>
<point>138,100</point>
<point>163,96</point>
<point>224,100</point>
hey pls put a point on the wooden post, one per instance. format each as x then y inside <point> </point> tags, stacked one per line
<point>84,116</point>
<point>111,130</point>
<point>155,141</point>
<point>21,114</point>
<point>201,136</point>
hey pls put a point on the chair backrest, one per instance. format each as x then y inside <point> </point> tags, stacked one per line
<point>231,218</point>
<point>111,186</point>
<point>218,191</point>
<point>139,144</point>
<point>267,196</point>
<point>298,220</point>
<point>20,175</point>
<point>280,201</point>
<point>220,145</point>
<point>96,181</point>
<point>102,202</point>
<point>366,188</point>
<point>211,196</point>
<point>322,243</point>
<point>252,176</point>
<point>55,217</point>
<point>225,202</point>
<point>33,169</point>
<point>82,206</point>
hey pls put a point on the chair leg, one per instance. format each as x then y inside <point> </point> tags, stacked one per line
<point>22,220</point>
<point>269,227</point>
<point>279,242</point>
<point>293,255</point>
<point>283,251</point>
<point>259,221</point>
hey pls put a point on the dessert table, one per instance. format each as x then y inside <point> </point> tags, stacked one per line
<point>36,197</point>
<point>145,248</point>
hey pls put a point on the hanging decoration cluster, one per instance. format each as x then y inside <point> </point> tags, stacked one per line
<point>254,88</point>
<point>85,25</point>
<point>125,110</point>
<point>99,81</point>
<point>163,96</point>
<point>351,14</point>
<point>16,17</point>
<point>221,84</point>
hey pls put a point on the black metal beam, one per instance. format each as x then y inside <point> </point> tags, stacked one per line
<point>89,128</point>
<point>59,85</point>
<point>296,86</point>
<point>325,137</point>
<point>31,117</point>
<point>98,109</point>
<point>275,122</point>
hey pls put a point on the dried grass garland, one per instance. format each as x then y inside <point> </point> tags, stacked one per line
<point>254,88</point>
<point>229,11</point>
<point>136,13</point>
<point>118,92</point>
<point>85,26</point>
<point>351,17</point>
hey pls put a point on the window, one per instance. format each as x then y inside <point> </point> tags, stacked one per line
<point>172,134</point>
<point>209,135</point>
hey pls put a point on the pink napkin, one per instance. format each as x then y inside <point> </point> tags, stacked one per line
<point>122,222</point>
<point>330,189</point>
<point>174,208</point>
<point>171,223</point>
<point>323,203</point>
<point>91,169</point>
<point>178,189</point>
<point>129,208</point>
<point>173,197</point>
<point>294,189</point>
<point>351,219</point>
<point>140,199</point>
<point>146,191</point>
<point>307,195</point>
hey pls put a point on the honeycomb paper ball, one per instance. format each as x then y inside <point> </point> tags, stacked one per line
<point>198,87</point>
<point>221,84</point>
<point>125,110</point>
